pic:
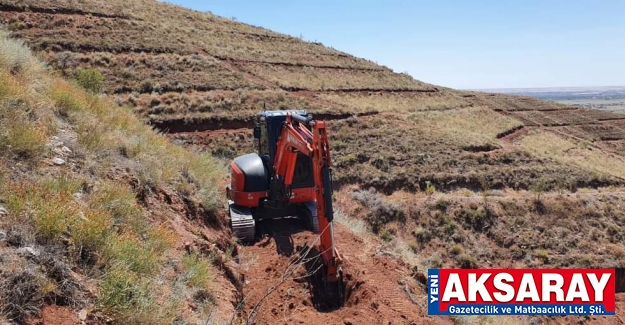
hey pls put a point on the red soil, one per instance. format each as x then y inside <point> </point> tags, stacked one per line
<point>377,285</point>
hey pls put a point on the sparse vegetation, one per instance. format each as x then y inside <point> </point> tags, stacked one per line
<point>80,214</point>
<point>398,102</point>
<point>549,145</point>
<point>466,261</point>
<point>387,235</point>
<point>316,78</point>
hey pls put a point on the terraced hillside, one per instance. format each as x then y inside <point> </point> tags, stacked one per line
<point>428,175</point>
<point>186,71</point>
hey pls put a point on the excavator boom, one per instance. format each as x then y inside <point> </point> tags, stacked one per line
<point>300,134</point>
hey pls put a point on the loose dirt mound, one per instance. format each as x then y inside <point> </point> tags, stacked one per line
<point>379,288</point>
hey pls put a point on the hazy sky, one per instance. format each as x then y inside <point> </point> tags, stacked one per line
<point>460,44</point>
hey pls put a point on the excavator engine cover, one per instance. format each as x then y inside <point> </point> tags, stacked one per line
<point>255,173</point>
<point>250,181</point>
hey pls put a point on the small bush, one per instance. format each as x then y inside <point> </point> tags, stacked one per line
<point>21,295</point>
<point>422,235</point>
<point>91,80</point>
<point>466,261</point>
<point>24,140</point>
<point>436,262</point>
<point>542,254</point>
<point>414,247</point>
<point>480,219</point>
<point>456,250</point>
<point>429,188</point>
<point>387,236</point>
<point>197,271</point>
<point>381,212</point>
<point>14,54</point>
<point>539,206</point>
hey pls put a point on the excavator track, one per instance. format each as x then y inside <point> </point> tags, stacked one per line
<point>242,222</point>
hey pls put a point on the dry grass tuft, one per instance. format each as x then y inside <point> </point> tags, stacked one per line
<point>14,55</point>
<point>21,295</point>
<point>133,299</point>
<point>197,271</point>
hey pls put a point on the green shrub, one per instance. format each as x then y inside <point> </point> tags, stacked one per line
<point>91,80</point>
<point>386,236</point>
<point>466,261</point>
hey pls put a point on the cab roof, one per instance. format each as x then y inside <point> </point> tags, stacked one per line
<point>270,114</point>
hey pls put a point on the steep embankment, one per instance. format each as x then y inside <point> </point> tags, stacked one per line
<point>459,179</point>
<point>94,223</point>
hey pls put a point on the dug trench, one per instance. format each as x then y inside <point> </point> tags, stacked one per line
<point>279,286</point>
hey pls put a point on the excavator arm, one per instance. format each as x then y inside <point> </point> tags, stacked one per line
<point>303,135</point>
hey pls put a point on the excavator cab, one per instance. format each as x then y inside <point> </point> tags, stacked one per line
<point>267,132</point>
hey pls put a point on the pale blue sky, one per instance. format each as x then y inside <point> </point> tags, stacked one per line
<point>460,44</point>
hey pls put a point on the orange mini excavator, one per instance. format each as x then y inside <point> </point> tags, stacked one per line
<point>290,176</point>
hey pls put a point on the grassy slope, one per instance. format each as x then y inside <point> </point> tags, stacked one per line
<point>74,230</point>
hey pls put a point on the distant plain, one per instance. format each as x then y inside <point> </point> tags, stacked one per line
<point>604,98</point>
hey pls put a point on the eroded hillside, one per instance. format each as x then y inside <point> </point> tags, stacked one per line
<point>426,176</point>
